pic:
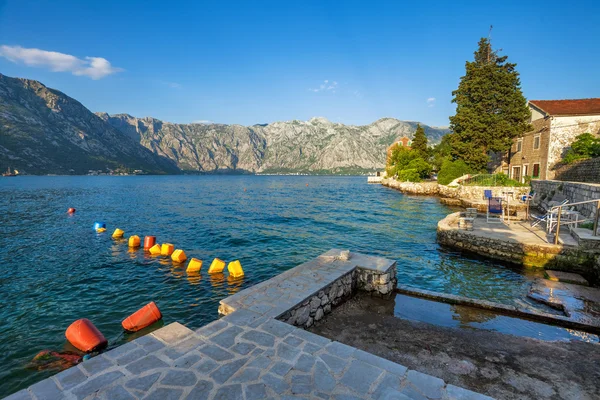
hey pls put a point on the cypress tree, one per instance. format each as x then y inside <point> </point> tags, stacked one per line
<point>419,143</point>
<point>490,108</point>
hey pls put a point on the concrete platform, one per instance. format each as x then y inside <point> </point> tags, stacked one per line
<point>249,354</point>
<point>519,243</point>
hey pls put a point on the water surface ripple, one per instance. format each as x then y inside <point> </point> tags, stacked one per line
<point>56,269</point>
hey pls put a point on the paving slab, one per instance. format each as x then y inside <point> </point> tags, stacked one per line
<point>566,277</point>
<point>249,354</point>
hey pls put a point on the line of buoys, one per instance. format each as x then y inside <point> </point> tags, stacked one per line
<point>177,255</point>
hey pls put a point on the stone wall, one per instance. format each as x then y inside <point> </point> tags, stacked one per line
<point>536,256</point>
<point>579,171</point>
<point>455,192</point>
<point>573,191</point>
<point>305,314</point>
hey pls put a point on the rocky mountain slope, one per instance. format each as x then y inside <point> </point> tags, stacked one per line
<point>314,146</point>
<point>45,131</point>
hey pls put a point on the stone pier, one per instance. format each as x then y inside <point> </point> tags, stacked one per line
<point>259,349</point>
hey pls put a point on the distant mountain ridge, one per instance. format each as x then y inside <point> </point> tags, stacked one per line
<point>313,146</point>
<point>44,131</point>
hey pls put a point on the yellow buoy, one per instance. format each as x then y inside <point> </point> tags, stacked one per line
<point>155,250</point>
<point>235,269</point>
<point>217,266</point>
<point>134,241</point>
<point>194,265</point>
<point>178,256</point>
<point>118,233</point>
<point>167,249</point>
<point>100,230</point>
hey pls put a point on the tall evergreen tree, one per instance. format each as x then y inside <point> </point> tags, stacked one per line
<point>490,108</point>
<point>419,143</point>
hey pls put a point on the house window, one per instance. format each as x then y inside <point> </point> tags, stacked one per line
<point>536,170</point>
<point>536,142</point>
<point>519,145</point>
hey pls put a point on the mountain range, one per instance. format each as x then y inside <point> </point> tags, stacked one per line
<point>44,131</point>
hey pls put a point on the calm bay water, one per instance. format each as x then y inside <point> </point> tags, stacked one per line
<point>55,269</point>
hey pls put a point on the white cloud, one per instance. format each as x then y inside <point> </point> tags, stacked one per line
<point>92,67</point>
<point>431,102</point>
<point>326,86</point>
<point>202,121</point>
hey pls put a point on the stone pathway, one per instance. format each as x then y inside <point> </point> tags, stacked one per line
<point>249,354</point>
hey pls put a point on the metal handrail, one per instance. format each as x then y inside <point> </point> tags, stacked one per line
<point>559,208</point>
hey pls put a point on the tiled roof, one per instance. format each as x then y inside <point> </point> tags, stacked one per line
<point>568,107</point>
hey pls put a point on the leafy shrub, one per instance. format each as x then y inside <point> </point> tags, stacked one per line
<point>585,146</point>
<point>451,170</point>
<point>410,174</point>
<point>408,165</point>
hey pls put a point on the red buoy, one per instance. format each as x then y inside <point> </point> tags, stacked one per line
<point>85,336</point>
<point>71,210</point>
<point>149,241</point>
<point>142,318</point>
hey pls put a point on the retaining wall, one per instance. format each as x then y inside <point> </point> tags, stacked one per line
<point>579,171</point>
<point>454,192</point>
<point>574,191</point>
<point>548,256</point>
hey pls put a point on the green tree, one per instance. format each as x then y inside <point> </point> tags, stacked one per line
<point>419,143</point>
<point>490,108</point>
<point>441,152</point>
<point>407,165</point>
<point>451,170</point>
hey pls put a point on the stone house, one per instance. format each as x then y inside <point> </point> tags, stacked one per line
<point>556,124</point>
<point>403,141</point>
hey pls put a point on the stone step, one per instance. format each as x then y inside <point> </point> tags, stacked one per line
<point>566,277</point>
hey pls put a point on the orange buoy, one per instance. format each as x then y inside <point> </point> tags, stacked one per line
<point>134,241</point>
<point>71,210</point>
<point>142,318</point>
<point>178,256</point>
<point>155,250</point>
<point>149,241</point>
<point>85,336</point>
<point>167,249</point>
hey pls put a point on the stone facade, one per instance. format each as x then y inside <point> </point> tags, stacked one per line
<point>316,307</point>
<point>538,152</point>
<point>579,171</point>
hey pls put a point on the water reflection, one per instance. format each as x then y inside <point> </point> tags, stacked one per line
<point>194,278</point>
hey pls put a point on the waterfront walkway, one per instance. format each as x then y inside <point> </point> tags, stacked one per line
<point>251,354</point>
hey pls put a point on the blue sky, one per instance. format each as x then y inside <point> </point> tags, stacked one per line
<point>258,62</point>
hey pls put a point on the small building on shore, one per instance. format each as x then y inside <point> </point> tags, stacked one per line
<point>556,124</point>
<point>404,141</point>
